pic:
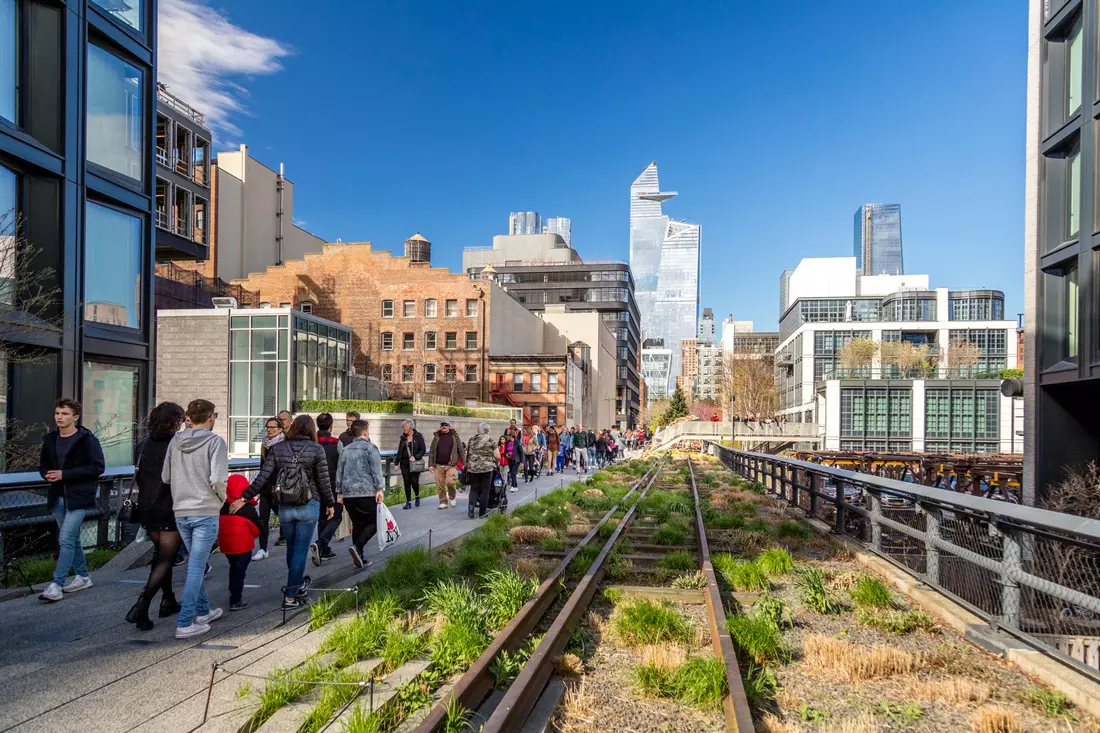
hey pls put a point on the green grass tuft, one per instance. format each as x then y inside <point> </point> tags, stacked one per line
<point>456,602</point>
<point>774,611</point>
<point>642,621</point>
<point>814,594</point>
<point>1052,703</point>
<point>871,593</point>
<point>756,637</point>
<point>740,574</point>
<point>775,561</point>
<point>679,560</point>
<point>457,646</point>
<point>694,580</point>
<point>457,718</point>
<point>701,681</point>
<point>554,544</point>
<point>760,685</point>
<point>582,561</point>
<point>792,529</point>
<point>506,592</point>
<point>896,622</point>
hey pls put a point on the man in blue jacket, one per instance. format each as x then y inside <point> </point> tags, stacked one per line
<point>71,461</point>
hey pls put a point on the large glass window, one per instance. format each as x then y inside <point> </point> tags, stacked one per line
<point>127,11</point>
<point>965,420</point>
<point>1073,204</point>
<point>112,267</point>
<point>111,409</point>
<point>9,56</point>
<point>116,131</point>
<point>9,204</point>
<point>1072,324</point>
<point>1074,50</point>
<point>875,412</point>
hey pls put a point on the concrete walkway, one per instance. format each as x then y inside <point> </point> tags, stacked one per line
<point>77,664</point>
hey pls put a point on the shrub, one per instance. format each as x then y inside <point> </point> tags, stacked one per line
<point>530,535</point>
<point>386,407</point>
<point>679,560</point>
<point>775,561</point>
<point>1011,374</point>
<point>755,637</point>
<point>871,593</point>
<point>1052,703</point>
<point>642,621</point>
<point>774,611</point>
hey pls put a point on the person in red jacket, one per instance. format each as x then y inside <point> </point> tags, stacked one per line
<point>236,535</point>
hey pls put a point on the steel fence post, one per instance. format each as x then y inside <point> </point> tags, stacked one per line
<point>102,538</point>
<point>1011,562</point>
<point>931,552</point>
<point>798,475</point>
<point>815,488</point>
<point>876,515</point>
<point>838,507</point>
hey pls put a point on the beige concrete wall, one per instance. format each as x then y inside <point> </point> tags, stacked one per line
<point>516,331</point>
<point>520,248</point>
<point>590,329</point>
<point>193,360</point>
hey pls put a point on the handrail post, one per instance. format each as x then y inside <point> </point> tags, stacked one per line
<point>782,480</point>
<point>838,507</point>
<point>815,489</point>
<point>798,475</point>
<point>876,515</point>
<point>931,552</point>
<point>1011,563</point>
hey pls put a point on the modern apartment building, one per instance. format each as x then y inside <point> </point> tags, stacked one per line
<point>541,271</point>
<point>1062,320</point>
<point>664,257</point>
<point>738,337</point>
<point>183,178</point>
<point>656,370</point>
<point>877,240</point>
<point>77,172</point>
<point>707,331</point>
<point>700,369</point>
<point>560,225</point>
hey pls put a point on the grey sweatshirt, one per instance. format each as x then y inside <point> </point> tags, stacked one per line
<point>197,467</point>
<point>359,472</point>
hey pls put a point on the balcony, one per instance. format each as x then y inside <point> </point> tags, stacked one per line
<point>180,217</point>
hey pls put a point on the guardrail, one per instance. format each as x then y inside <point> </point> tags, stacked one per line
<point>1032,573</point>
<point>754,431</point>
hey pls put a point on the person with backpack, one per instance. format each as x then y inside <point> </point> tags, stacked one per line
<point>297,468</point>
<point>601,449</point>
<point>320,551</point>
<point>482,457</point>
<point>530,448</point>
<point>359,480</point>
<point>274,428</point>
<point>236,533</point>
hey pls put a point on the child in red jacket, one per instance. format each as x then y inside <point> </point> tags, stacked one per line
<point>236,535</point>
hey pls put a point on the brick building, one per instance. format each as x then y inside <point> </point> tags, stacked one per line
<point>550,389</point>
<point>415,327</point>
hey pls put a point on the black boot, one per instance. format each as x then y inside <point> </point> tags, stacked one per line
<point>132,614</point>
<point>142,620</point>
<point>168,605</point>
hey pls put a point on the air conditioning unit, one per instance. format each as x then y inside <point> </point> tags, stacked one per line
<point>226,302</point>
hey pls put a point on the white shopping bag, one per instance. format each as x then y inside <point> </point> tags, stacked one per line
<point>388,533</point>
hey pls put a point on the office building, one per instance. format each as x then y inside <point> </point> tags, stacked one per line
<point>706,326</point>
<point>664,257</point>
<point>877,240</point>
<point>524,222</point>
<point>656,370</point>
<point>271,360</point>
<point>560,225</point>
<point>701,369</point>
<point>77,122</point>
<point>928,357</point>
<point>739,338</point>
<point>1062,310</point>
<point>540,271</point>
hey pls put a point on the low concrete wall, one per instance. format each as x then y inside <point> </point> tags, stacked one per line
<point>385,429</point>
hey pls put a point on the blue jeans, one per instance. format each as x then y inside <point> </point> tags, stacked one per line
<point>297,524</point>
<point>198,535</point>
<point>70,549</point>
<point>591,455</point>
<point>561,462</point>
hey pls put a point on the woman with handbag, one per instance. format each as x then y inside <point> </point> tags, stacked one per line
<point>482,458</point>
<point>154,511</point>
<point>410,456</point>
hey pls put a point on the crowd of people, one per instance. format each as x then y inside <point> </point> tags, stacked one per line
<point>191,507</point>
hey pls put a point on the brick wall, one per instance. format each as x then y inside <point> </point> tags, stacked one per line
<point>193,362</point>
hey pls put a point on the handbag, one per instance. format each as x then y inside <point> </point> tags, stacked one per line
<point>420,465</point>
<point>127,513</point>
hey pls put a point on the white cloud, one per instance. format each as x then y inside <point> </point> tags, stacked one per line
<point>199,53</point>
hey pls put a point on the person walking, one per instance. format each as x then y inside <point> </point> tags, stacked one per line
<point>553,449</point>
<point>530,454</point>
<point>285,418</point>
<point>236,533</point>
<point>298,467</point>
<point>320,551</point>
<point>580,450</point>
<point>359,481</point>
<point>540,435</point>
<point>347,436</point>
<point>512,452</point>
<point>591,447</point>
<point>71,460</point>
<point>482,458</point>
<point>443,458</point>
<point>154,512</point>
<point>410,451</point>
<point>275,434</point>
<point>196,468</point>
<point>601,449</point>
<point>567,447</point>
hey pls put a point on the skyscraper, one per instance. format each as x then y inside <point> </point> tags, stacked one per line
<point>524,222</point>
<point>664,257</point>
<point>706,325</point>
<point>877,240</point>
<point>560,225</point>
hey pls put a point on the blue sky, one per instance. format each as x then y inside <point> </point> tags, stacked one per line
<point>773,120</point>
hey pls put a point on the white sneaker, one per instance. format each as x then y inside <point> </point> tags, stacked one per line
<point>513,490</point>
<point>259,555</point>
<point>214,615</point>
<point>79,582</point>
<point>52,593</point>
<point>443,505</point>
<point>196,629</point>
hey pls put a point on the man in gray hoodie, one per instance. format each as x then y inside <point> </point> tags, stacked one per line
<point>196,468</point>
<point>359,480</point>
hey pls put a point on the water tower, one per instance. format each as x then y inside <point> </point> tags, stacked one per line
<point>418,249</point>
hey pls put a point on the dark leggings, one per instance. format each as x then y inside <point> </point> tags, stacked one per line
<point>529,465</point>
<point>412,483</point>
<point>266,508</point>
<point>165,546</point>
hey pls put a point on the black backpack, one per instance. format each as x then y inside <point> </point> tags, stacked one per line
<point>292,485</point>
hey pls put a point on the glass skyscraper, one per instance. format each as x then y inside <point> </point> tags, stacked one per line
<point>877,240</point>
<point>664,257</point>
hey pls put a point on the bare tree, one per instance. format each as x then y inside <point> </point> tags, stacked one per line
<point>750,380</point>
<point>911,360</point>
<point>857,356</point>
<point>962,356</point>
<point>1069,563</point>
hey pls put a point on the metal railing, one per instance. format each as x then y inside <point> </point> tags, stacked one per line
<point>896,372</point>
<point>1030,572</point>
<point>754,431</point>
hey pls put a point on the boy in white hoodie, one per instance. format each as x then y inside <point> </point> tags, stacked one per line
<point>197,467</point>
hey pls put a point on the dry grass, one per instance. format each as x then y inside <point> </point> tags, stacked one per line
<point>845,580</point>
<point>665,657</point>
<point>579,712</point>
<point>994,721</point>
<point>855,663</point>
<point>578,528</point>
<point>533,569</point>
<point>593,492</point>
<point>865,723</point>
<point>957,690</point>
<point>529,535</point>
<point>772,724</point>
<point>569,665</point>
<point>595,621</point>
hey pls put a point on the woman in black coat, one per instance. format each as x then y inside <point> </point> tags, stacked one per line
<point>410,448</point>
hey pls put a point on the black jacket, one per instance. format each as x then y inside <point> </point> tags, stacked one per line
<point>331,447</point>
<point>83,466</point>
<point>154,496</point>
<point>282,454</point>
<point>418,449</point>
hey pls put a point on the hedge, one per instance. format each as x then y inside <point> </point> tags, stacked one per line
<point>1012,374</point>
<point>361,406</point>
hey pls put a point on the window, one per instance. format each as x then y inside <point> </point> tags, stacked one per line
<point>966,420</point>
<point>128,13</point>
<point>408,341</point>
<point>9,203</point>
<point>1074,49</point>
<point>471,340</point>
<point>451,309</point>
<point>9,55</point>
<point>306,306</point>
<point>387,309</point>
<point>115,126</point>
<point>471,308</point>
<point>429,340</point>
<point>431,307</point>
<point>471,372</point>
<point>517,382</point>
<point>387,372</point>
<point>536,382</point>
<point>111,409</point>
<point>387,341</point>
<point>450,340</point>
<point>552,415</point>
<point>535,414</point>
<point>1073,185</point>
<point>407,371</point>
<point>450,373</point>
<point>112,269</point>
<point>429,372</point>
<point>408,309</point>
<point>1072,323</point>
<point>552,382</point>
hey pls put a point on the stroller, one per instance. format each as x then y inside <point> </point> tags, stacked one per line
<point>498,493</point>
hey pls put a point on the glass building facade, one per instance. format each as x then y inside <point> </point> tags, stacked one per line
<point>877,240</point>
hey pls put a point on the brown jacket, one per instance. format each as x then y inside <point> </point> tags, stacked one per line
<point>553,442</point>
